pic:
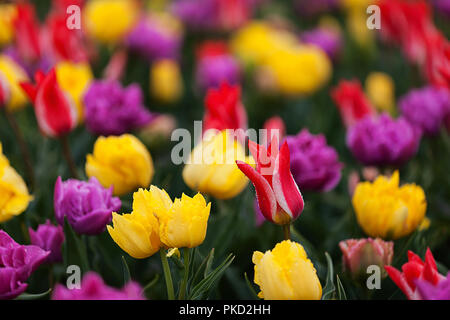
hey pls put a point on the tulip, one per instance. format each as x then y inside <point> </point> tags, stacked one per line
<point>12,74</point>
<point>440,291</point>
<point>380,90</point>
<point>166,83</point>
<point>315,165</point>
<point>211,168</point>
<point>7,16</point>
<point>279,197</point>
<point>14,196</point>
<point>27,33</point>
<point>74,79</point>
<point>121,161</point>
<point>137,233</point>
<point>385,210</point>
<point>358,254</point>
<point>224,109</point>
<point>17,263</point>
<point>86,205</point>
<point>55,111</point>
<point>98,15</point>
<point>92,287</point>
<point>183,222</point>
<point>273,126</point>
<point>413,270</point>
<point>111,109</point>
<point>327,39</point>
<point>49,238</point>
<point>4,91</point>
<point>353,105</point>
<point>286,273</point>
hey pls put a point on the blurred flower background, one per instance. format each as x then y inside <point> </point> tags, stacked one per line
<point>86,120</point>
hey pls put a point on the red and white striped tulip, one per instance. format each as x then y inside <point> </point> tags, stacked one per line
<point>4,90</point>
<point>278,196</point>
<point>55,111</point>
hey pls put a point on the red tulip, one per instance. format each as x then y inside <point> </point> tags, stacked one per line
<point>274,126</point>
<point>351,101</point>
<point>211,49</point>
<point>415,269</point>
<point>224,109</point>
<point>279,197</point>
<point>27,32</point>
<point>55,111</point>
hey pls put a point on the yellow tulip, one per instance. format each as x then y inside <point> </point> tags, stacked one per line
<point>74,79</point>
<point>385,210</point>
<point>14,74</point>
<point>182,223</point>
<point>122,161</point>
<point>8,13</point>
<point>380,91</point>
<point>108,21</point>
<point>165,80</point>
<point>286,273</point>
<point>137,233</point>
<point>212,167</point>
<point>14,196</point>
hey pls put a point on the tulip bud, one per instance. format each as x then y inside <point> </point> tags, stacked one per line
<point>166,81</point>
<point>362,253</point>
<point>122,161</point>
<point>380,90</point>
<point>50,238</point>
<point>286,273</point>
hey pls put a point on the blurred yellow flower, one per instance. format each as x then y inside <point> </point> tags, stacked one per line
<point>295,68</point>
<point>14,196</point>
<point>385,210</point>
<point>286,273</point>
<point>380,90</point>
<point>212,168</point>
<point>122,161</point>
<point>183,223</point>
<point>166,83</point>
<point>14,74</point>
<point>8,13</point>
<point>137,233</point>
<point>74,78</point>
<point>108,21</point>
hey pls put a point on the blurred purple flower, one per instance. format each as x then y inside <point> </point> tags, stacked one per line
<point>44,63</point>
<point>93,288</point>
<point>308,8</point>
<point>426,108</point>
<point>428,291</point>
<point>49,238</point>
<point>443,6</point>
<point>111,109</point>
<point>88,206</point>
<point>326,39</point>
<point>17,263</point>
<point>382,141</point>
<point>314,165</point>
<point>153,40</point>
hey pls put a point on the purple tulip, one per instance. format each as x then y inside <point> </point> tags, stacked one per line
<point>426,108</point>
<point>88,206</point>
<point>49,238</point>
<point>326,39</point>
<point>213,70</point>
<point>17,263</point>
<point>111,109</point>
<point>382,141</point>
<point>314,165</point>
<point>154,41</point>
<point>428,291</point>
<point>93,288</point>
<point>443,7</point>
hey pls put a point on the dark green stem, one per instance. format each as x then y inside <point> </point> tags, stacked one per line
<point>167,275</point>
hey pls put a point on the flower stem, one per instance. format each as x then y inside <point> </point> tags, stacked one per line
<point>186,274</point>
<point>287,231</point>
<point>68,156</point>
<point>22,145</point>
<point>167,275</point>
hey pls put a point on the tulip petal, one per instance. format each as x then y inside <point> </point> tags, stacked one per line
<point>264,194</point>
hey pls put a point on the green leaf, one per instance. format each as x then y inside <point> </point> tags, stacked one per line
<point>126,271</point>
<point>250,286</point>
<point>75,248</point>
<point>209,263</point>
<point>329,289</point>
<point>30,296</point>
<point>202,265</point>
<point>207,283</point>
<point>341,292</point>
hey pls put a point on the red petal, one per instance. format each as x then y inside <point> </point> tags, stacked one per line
<point>430,272</point>
<point>400,281</point>
<point>29,89</point>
